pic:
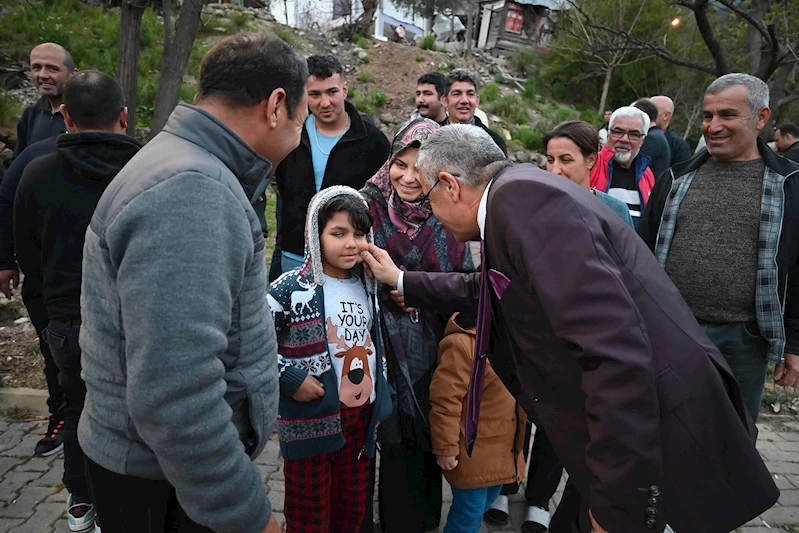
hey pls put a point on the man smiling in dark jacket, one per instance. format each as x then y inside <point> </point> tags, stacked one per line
<point>337,147</point>
<point>55,201</point>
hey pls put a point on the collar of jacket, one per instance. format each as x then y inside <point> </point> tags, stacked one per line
<point>778,164</point>
<point>201,128</point>
<point>43,106</point>
<point>356,132</point>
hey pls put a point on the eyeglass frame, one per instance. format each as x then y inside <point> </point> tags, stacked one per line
<point>628,133</point>
<point>426,196</point>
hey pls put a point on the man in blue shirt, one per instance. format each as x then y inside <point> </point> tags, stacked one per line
<point>338,147</point>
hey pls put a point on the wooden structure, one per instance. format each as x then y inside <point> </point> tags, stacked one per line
<point>516,25</point>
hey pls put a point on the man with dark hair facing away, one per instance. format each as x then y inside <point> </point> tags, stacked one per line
<point>55,201</point>
<point>655,144</point>
<point>786,137</point>
<point>337,147</point>
<point>179,352</point>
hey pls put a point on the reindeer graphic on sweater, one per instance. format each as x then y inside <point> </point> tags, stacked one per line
<point>353,363</point>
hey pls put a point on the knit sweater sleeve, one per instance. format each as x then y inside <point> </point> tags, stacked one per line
<point>180,251</point>
<point>279,297</point>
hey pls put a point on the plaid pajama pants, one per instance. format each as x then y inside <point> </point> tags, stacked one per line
<point>328,493</point>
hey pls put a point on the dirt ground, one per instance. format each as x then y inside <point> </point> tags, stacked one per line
<point>21,363</point>
<point>395,69</point>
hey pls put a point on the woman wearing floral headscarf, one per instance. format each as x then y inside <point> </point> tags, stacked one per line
<point>404,225</point>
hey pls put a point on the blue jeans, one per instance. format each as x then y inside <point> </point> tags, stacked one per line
<point>745,351</point>
<point>468,506</point>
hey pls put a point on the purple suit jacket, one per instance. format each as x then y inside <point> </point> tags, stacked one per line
<point>596,343</point>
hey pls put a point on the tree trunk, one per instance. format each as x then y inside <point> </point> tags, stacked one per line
<point>128,60</point>
<point>605,88</point>
<point>286,11</point>
<point>758,12</point>
<point>173,66</point>
<point>470,22</point>
<point>167,8</point>
<point>365,20</point>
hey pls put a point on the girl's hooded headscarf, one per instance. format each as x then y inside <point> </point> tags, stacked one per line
<point>417,241</point>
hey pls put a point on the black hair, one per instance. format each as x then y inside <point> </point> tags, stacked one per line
<point>789,129</point>
<point>460,74</point>
<point>436,79</point>
<point>322,67</point>
<point>93,100</point>
<point>360,217</point>
<point>246,68</point>
<point>646,105</point>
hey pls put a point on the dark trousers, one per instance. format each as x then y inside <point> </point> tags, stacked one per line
<point>128,504</point>
<point>409,489</point>
<point>275,265</point>
<point>745,351</point>
<point>62,338</point>
<point>38,315</point>
<point>543,473</point>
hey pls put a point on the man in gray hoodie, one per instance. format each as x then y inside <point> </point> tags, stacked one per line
<point>179,352</point>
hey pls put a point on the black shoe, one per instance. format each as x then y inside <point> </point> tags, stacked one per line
<point>498,513</point>
<point>53,440</point>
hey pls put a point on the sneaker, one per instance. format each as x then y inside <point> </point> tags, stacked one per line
<point>536,520</point>
<point>498,513</point>
<point>80,514</point>
<point>53,440</point>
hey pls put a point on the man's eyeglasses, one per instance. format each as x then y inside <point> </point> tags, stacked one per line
<point>634,135</point>
<point>426,196</point>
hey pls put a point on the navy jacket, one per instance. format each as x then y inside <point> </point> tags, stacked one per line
<point>38,122</point>
<point>8,189</point>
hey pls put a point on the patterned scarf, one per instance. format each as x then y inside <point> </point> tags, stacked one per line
<point>417,241</point>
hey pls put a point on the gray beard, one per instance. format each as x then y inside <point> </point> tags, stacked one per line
<point>623,157</point>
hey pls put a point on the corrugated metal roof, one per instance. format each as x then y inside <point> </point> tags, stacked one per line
<point>550,4</point>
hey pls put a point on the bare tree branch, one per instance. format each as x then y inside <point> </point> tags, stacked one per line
<point>708,35</point>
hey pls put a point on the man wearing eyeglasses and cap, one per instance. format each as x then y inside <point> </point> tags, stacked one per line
<point>620,170</point>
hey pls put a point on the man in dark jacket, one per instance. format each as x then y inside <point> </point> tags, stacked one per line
<point>680,151</point>
<point>51,67</point>
<point>53,439</point>
<point>786,137</point>
<point>55,201</point>
<point>723,225</point>
<point>461,99</point>
<point>592,338</point>
<point>337,147</point>
<point>655,146</point>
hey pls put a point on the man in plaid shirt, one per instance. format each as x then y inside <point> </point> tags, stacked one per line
<point>724,226</point>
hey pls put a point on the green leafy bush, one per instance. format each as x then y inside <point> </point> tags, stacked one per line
<point>360,41</point>
<point>511,107</point>
<point>530,90</point>
<point>524,62</point>
<point>591,117</point>
<point>365,77</point>
<point>428,42</point>
<point>419,58</point>
<point>565,113</point>
<point>530,137</point>
<point>367,101</point>
<point>490,93</point>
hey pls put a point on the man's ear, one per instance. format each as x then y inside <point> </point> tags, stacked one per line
<point>123,118</point>
<point>450,185</point>
<point>345,88</point>
<point>762,117</point>
<point>67,119</point>
<point>274,106</point>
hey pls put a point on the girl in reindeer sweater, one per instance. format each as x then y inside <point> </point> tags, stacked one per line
<point>333,384</point>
